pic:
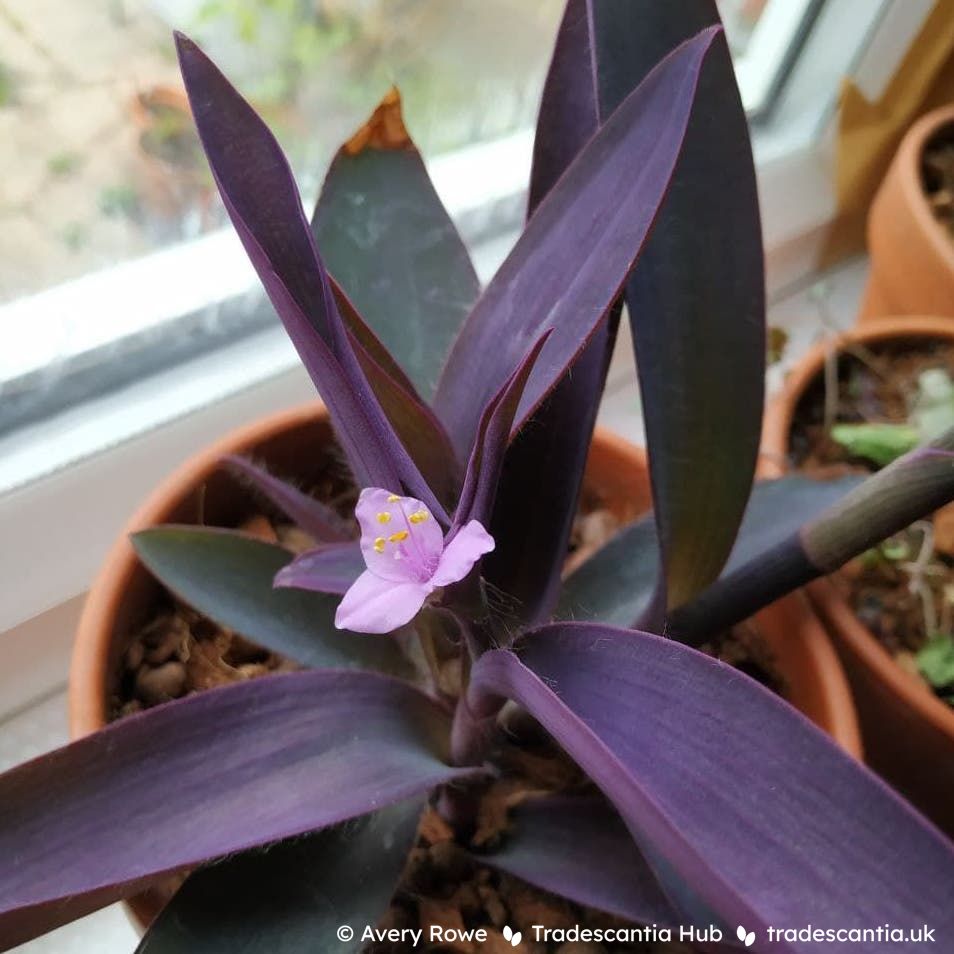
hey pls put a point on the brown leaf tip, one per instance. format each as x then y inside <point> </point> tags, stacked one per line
<point>384,130</point>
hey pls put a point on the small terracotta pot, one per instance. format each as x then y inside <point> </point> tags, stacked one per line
<point>124,594</point>
<point>912,254</point>
<point>908,732</point>
<point>172,186</point>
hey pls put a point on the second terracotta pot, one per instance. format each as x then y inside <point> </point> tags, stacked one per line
<point>912,254</point>
<point>908,732</point>
<point>291,444</point>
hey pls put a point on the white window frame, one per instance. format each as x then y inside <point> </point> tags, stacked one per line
<point>67,484</point>
<point>760,68</point>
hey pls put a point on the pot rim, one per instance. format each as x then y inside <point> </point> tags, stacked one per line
<point>775,445</point>
<point>909,157</point>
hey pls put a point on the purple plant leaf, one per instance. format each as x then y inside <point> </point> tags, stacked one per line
<point>739,804</point>
<point>371,344</point>
<point>327,569</point>
<point>569,112</point>
<point>493,434</point>
<point>388,239</point>
<point>577,847</point>
<point>260,195</point>
<point>616,584</point>
<point>417,427</point>
<point>115,812</point>
<point>576,251</point>
<point>696,302</point>
<point>282,899</point>
<point>414,422</point>
<point>228,577</point>
<point>314,517</point>
<point>545,462</point>
<point>532,542</point>
<point>690,276</point>
<point>906,490</point>
<point>777,508</point>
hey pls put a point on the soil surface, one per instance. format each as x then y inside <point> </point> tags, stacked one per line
<point>903,591</point>
<point>444,883</point>
<point>180,652</point>
<point>937,171</point>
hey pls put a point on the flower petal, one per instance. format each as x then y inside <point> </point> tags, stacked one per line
<point>376,605</point>
<point>400,539</point>
<point>470,543</point>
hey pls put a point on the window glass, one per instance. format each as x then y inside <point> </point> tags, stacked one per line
<point>111,229</point>
<point>98,158</point>
<point>739,18</point>
<point>764,36</point>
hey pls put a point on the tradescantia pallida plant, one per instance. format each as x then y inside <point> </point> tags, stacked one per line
<point>465,417</point>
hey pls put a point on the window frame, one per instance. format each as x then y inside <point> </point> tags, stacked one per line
<point>771,52</point>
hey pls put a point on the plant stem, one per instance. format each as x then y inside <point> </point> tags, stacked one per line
<point>458,805</point>
<point>468,636</point>
<point>467,604</point>
<point>471,731</point>
<point>471,737</point>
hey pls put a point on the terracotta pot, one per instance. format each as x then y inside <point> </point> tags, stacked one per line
<point>912,254</point>
<point>124,594</point>
<point>908,732</point>
<point>162,96</point>
<point>172,184</point>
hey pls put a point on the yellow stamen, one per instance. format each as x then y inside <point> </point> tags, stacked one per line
<point>399,536</point>
<point>384,517</point>
<point>393,498</point>
<point>419,517</point>
<point>379,545</point>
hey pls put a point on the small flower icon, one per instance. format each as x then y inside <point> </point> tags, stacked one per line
<point>515,937</point>
<point>747,938</point>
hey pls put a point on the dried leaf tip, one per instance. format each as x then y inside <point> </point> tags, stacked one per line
<point>384,130</point>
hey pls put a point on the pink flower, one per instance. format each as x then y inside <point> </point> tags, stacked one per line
<point>407,559</point>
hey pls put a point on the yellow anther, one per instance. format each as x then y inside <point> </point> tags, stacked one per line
<point>393,498</point>
<point>419,517</point>
<point>399,536</point>
<point>384,517</point>
<point>379,544</point>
